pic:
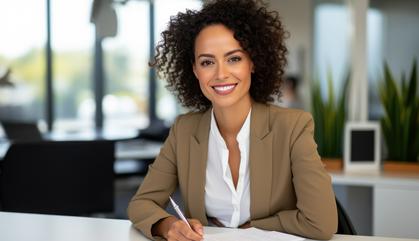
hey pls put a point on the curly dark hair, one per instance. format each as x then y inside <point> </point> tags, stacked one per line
<point>259,32</point>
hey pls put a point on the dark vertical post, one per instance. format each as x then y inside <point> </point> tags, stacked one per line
<point>49,112</point>
<point>98,83</point>
<point>152,73</point>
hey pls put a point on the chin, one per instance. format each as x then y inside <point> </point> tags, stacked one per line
<point>225,103</point>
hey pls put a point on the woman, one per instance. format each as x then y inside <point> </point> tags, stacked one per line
<point>238,161</point>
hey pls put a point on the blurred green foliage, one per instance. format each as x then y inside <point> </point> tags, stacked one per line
<point>400,124</point>
<point>329,117</point>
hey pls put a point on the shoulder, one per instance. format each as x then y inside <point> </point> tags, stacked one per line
<point>190,122</point>
<point>289,120</point>
<point>189,119</point>
<point>287,116</point>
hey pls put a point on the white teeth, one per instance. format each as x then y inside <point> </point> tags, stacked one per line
<point>224,88</point>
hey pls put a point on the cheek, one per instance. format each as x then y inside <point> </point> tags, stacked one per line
<point>203,76</point>
<point>243,73</point>
<point>203,83</point>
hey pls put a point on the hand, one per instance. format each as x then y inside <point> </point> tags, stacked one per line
<point>245,225</point>
<point>179,230</point>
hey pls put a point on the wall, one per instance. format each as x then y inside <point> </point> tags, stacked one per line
<point>401,33</point>
<point>297,16</point>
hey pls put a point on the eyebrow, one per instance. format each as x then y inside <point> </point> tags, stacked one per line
<point>225,55</point>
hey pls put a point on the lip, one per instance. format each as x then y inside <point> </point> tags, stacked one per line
<point>224,89</point>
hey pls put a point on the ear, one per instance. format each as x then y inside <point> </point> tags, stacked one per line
<point>252,68</point>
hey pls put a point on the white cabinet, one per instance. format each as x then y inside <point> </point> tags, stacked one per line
<point>396,211</point>
<point>393,202</point>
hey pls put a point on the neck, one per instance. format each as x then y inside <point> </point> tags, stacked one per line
<point>231,119</point>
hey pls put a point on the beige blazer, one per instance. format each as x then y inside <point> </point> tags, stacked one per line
<point>290,191</point>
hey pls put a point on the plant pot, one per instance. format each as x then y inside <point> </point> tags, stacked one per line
<point>403,167</point>
<point>333,164</point>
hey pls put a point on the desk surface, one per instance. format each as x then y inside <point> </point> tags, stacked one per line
<point>35,227</point>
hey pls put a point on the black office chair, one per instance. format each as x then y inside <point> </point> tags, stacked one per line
<point>345,225</point>
<point>21,131</point>
<point>156,131</point>
<point>66,178</point>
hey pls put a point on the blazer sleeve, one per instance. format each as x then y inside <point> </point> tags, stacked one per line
<point>146,207</point>
<point>316,213</point>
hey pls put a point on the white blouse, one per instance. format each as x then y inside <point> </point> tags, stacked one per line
<point>229,205</point>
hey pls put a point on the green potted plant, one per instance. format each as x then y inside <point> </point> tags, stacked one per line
<point>400,123</point>
<point>329,119</point>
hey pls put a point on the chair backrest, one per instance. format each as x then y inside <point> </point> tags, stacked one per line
<point>21,131</point>
<point>67,177</point>
<point>345,225</point>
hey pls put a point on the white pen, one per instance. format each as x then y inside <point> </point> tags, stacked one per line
<point>176,207</point>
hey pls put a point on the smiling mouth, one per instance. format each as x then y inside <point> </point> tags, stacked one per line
<point>224,89</point>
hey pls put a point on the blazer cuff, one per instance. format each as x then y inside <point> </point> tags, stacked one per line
<point>287,215</point>
<point>269,223</point>
<point>147,224</point>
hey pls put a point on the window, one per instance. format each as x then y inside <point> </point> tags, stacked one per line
<point>72,45</point>
<point>125,104</point>
<point>331,42</point>
<point>23,36</point>
<point>125,57</point>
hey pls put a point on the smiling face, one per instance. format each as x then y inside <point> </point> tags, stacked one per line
<point>222,67</point>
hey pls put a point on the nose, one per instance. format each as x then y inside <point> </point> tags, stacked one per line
<point>222,71</point>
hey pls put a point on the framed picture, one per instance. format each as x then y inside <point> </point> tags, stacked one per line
<point>362,146</point>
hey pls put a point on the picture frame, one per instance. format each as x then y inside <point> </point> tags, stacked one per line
<point>362,150</point>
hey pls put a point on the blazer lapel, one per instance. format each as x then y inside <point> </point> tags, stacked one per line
<point>198,154</point>
<point>260,157</point>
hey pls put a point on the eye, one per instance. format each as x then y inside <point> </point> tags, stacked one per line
<point>235,59</point>
<point>206,62</point>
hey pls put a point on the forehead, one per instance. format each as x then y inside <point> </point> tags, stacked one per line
<point>215,38</point>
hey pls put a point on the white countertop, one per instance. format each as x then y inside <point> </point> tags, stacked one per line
<point>377,179</point>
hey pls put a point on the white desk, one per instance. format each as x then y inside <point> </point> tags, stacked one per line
<point>34,227</point>
<point>394,201</point>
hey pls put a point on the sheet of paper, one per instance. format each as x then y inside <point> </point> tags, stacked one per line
<point>251,234</point>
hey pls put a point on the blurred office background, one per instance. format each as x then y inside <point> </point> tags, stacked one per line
<point>82,66</point>
<point>67,78</point>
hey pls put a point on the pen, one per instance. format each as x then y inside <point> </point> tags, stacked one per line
<point>176,207</point>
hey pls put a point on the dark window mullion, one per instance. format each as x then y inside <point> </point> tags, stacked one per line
<point>152,73</point>
<point>98,83</point>
<point>49,74</point>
